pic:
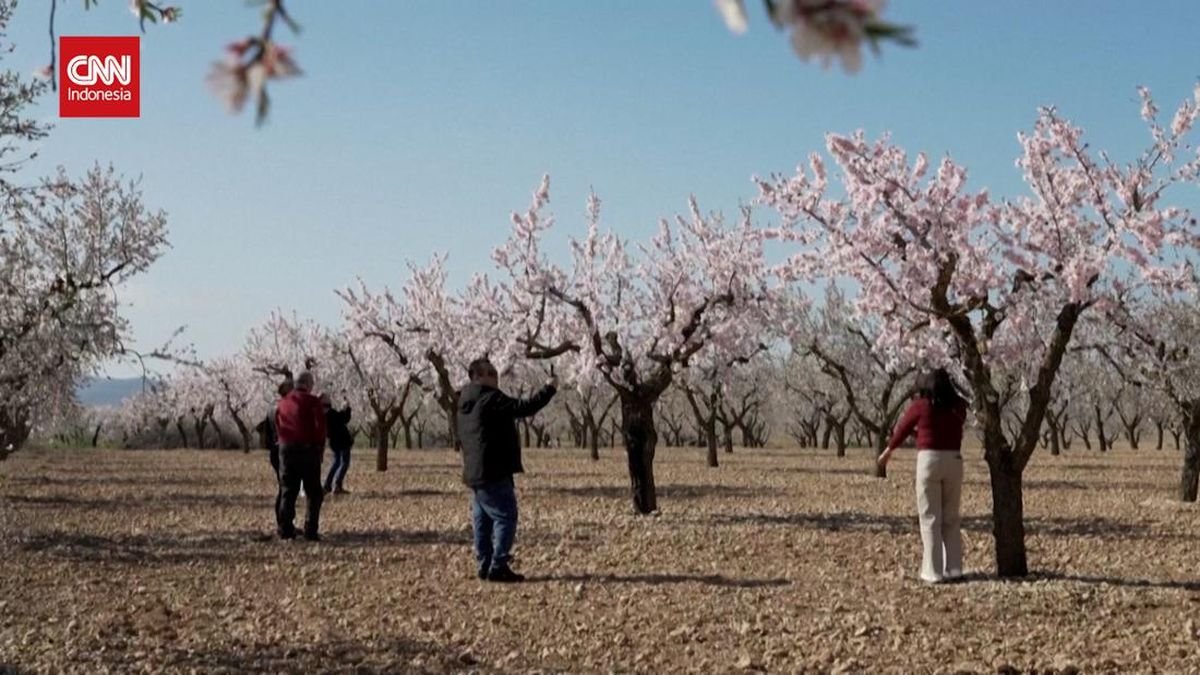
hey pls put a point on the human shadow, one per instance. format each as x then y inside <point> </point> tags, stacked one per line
<point>718,580</point>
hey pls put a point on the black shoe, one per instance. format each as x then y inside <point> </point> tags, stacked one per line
<point>482,573</point>
<point>286,534</point>
<point>505,575</point>
<point>312,537</point>
<point>339,490</point>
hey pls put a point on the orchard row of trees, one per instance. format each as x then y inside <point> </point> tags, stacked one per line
<point>1096,261</point>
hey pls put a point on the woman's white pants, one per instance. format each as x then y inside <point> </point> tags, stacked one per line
<point>939,499</point>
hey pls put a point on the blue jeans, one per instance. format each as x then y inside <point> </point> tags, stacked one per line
<point>494,517</point>
<point>337,470</point>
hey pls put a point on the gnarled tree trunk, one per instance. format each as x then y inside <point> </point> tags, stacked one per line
<point>1190,476</point>
<point>641,438</point>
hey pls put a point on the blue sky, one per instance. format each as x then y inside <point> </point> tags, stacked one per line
<point>418,126</point>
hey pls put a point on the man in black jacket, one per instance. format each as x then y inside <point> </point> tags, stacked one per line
<point>491,453</point>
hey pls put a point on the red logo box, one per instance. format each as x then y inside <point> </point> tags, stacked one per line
<point>99,77</point>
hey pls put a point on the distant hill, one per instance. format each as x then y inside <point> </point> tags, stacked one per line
<point>105,391</point>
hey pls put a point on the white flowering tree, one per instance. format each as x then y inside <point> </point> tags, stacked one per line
<point>66,249</point>
<point>637,320</point>
<point>875,389</point>
<point>1155,349</point>
<point>958,278</point>
<point>432,333</point>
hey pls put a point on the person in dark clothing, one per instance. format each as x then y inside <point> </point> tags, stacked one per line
<point>491,453</point>
<point>337,425</point>
<point>300,424</point>
<point>269,439</point>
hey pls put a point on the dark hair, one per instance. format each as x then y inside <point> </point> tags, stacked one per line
<point>480,368</point>
<point>938,387</point>
<point>285,388</point>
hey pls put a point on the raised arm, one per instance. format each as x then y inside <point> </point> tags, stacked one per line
<point>500,403</point>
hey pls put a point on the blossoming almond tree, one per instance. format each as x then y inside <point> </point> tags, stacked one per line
<point>1152,344</point>
<point>875,390</point>
<point>637,320</point>
<point>432,332</point>
<point>66,248</point>
<point>956,277</point>
<point>381,388</point>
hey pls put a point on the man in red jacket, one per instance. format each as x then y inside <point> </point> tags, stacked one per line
<point>300,424</point>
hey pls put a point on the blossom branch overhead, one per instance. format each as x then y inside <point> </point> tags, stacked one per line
<point>248,65</point>
<point>826,30</point>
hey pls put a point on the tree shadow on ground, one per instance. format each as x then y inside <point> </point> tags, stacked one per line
<point>218,547</point>
<point>1059,484</point>
<point>1115,581</point>
<point>390,655</point>
<point>159,501</point>
<point>397,494</point>
<point>1037,576</point>
<point>863,470</point>
<point>853,521</point>
<point>664,491</point>
<point>718,580</point>
<point>383,537</point>
<point>149,480</point>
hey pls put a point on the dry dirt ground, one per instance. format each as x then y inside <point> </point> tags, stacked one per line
<point>779,561</point>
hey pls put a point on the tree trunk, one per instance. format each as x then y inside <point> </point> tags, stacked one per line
<point>1158,427</point>
<point>1132,435</point>
<point>1104,441</point>
<point>382,436</point>
<point>711,434</point>
<point>1008,515</point>
<point>1190,478</point>
<point>728,438</point>
<point>826,435</point>
<point>640,437</point>
<point>839,436</point>
<point>593,437</point>
<point>1055,448</point>
<point>245,432</point>
<point>14,431</point>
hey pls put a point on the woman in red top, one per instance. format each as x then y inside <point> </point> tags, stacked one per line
<point>937,416</point>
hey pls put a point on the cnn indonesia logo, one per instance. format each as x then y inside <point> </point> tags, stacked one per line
<point>100,77</point>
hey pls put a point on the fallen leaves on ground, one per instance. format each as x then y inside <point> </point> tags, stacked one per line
<point>778,561</point>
